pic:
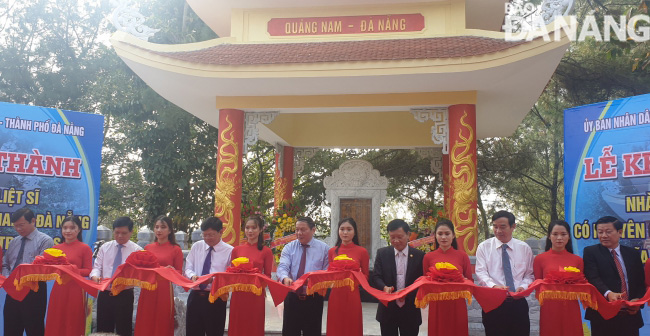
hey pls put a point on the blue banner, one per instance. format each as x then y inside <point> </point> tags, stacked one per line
<point>49,161</point>
<point>607,171</point>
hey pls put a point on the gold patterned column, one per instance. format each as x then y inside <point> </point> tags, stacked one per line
<point>283,184</point>
<point>462,176</point>
<point>445,184</point>
<point>227,198</point>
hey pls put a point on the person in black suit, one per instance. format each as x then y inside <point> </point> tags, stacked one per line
<point>396,267</point>
<point>606,273</point>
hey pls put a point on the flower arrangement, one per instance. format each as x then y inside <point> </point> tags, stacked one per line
<point>423,225</point>
<point>250,209</point>
<point>284,223</point>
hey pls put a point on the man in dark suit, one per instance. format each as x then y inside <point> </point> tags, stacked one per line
<point>617,272</point>
<point>396,267</point>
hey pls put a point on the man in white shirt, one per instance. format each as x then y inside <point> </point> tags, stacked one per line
<point>115,312</point>
<point>207,256</point>
<point>505,262</point>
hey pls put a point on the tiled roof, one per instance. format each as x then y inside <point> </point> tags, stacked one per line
<point>344,51</point>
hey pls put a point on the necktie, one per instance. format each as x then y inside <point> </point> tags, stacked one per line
<point>118,259</point>
<point>401,275</point>
<point>206,267</point>
<point>301,268</point>
<point>619,268</point>
<point>19,259</point>
<point>507,269</point>
<point>303,261</point>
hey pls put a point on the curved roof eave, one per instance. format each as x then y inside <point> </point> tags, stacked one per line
<point>507,83</point>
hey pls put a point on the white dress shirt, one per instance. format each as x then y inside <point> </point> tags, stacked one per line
<point>103,266</point>
<point>400,267</point>
<point>220,258</point>
<point>489,265</point>
<point>315,259</point>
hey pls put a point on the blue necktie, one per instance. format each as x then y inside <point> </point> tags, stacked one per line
<point>507,269</point>
<point>19,259</point>
<point>118,259</point>
<point>206,267</point>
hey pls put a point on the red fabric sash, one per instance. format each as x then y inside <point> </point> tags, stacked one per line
<point>320,281</point>
<point>66,314</point>
<point>247,282</point>
<point>430,290</point>
<point>128,275</point>
<point>27,276</point>
<point>586,293</point>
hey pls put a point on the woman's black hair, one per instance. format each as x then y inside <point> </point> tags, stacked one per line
<point>172,236</point>
<point>260,224</point>
<point>450,225</point>
<point>549,244</point>
<point>355,239</point>
<point>77,221</point>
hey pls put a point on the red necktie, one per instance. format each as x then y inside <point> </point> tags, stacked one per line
<point>620,274</point>
<point>301,268</point>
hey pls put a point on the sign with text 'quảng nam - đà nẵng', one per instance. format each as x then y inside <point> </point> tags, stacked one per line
<point>342,25</point>
<point>607,171</point>
<point>50,162</point>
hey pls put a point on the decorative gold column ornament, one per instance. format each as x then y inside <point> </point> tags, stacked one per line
<point>462,176</point>
<point>227,197</point>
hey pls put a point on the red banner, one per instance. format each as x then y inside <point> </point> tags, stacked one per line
<point>422,241</point>
<point>284,240</point>
<point>341,25</point>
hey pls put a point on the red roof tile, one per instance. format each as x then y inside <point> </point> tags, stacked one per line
<point>344,51</point>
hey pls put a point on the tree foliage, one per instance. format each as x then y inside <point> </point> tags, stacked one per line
<point>525,170</point>
<point>159,159</point>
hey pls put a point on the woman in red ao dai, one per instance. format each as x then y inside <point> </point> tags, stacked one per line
<point>245,305</point>
<point>558,317</point>
<point>347,319</point>
<point>447,317</point>
<point>70,298</point>
<point>158,305</point>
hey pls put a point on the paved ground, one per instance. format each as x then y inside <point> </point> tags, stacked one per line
<point>371,326</point>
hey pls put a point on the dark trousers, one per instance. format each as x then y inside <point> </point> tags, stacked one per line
<point>302,315</point>
<point>622,324</point>
<point>402,329</point>
<point>27,315</point>
<point>115,312</point>
<point>510,319</point>
<point>203,317</point>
